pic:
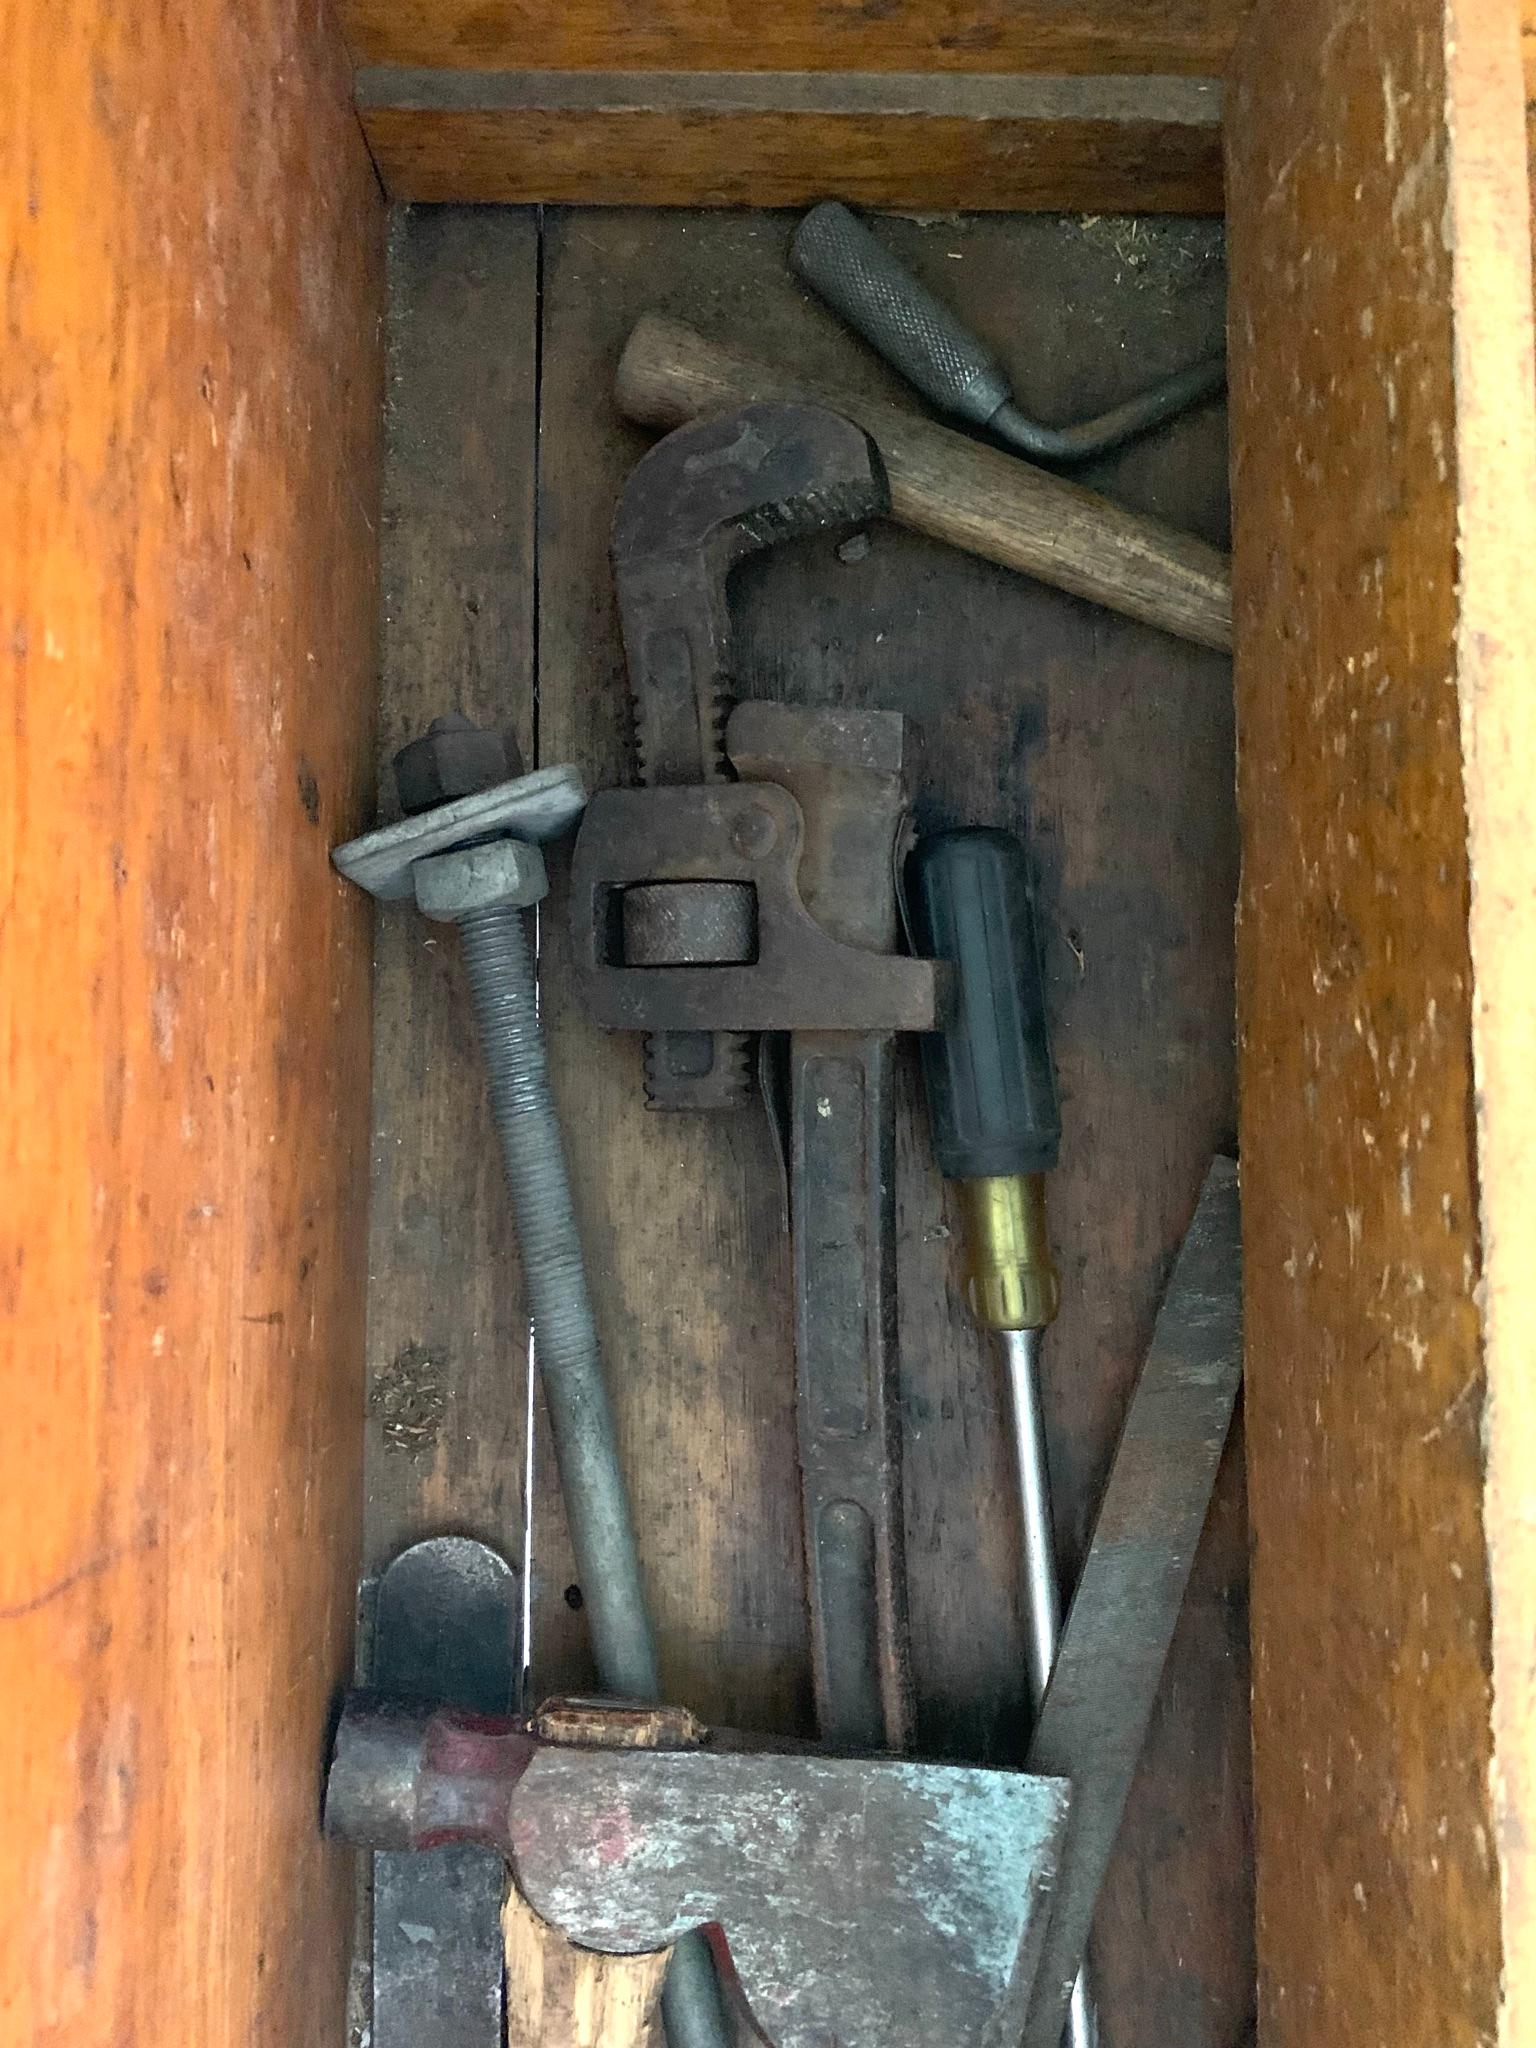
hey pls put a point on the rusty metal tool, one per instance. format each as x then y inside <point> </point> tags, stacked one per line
<point>864,1903</point>
<point>445,1628</point>
<point>923,339</point>
<point>1110,1659</point>
<point>996,1131</point>
<point>706,909</point>
<point>693,508</point>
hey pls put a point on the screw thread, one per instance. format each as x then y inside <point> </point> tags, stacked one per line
<point>504,987</point>
<point>500,966</point>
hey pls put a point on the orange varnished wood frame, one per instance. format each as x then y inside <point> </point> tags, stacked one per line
<point>190,248</point>
<point>1384,457</point>
<point>971,104</point>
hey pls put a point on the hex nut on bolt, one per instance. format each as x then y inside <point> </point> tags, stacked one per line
<point>509,874</point>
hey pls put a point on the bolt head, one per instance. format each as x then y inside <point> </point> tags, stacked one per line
<point>454,757</point>
<point>507,874</point>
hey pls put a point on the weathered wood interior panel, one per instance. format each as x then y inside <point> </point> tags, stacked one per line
<point>1093,145</point>
<point>1048,104</point>
<point>1116,743</point>
<point>188,491</point>
<point>445,1318</point>
<point>1189,37</point>
<point>1381,406</point>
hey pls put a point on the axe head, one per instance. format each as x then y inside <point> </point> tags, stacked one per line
<point>865,1903</point>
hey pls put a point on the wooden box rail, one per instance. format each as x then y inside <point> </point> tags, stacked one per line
<point>1149,143</point>
<point>192,240</point>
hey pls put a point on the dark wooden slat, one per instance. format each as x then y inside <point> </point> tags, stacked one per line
<point>1188,36</point>
<point>1117,741</point>
<point>1099,144</point>
<point>446,1343</point>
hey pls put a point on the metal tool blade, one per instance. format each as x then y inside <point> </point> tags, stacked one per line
<point>1110,1660</point>
<point>866,1903</point>
<point>446,1628</point>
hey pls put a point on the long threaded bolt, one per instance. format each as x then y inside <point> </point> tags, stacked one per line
<point>468,850</point>
<point>500,965</point>
<point>499,962</point>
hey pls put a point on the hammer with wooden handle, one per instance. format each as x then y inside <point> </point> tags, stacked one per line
<point>956,490</point>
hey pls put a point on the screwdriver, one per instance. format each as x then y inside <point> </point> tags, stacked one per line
<point>996,1130</point>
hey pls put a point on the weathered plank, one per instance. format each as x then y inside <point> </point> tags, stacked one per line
<point>188,477</point>
<point>745,138</point>
<point>1117,742</point>
<point>1384,625</point>
<point>447,1347</point>
<point>1184,36</point>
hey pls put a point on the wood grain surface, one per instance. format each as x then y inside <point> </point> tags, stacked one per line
<point>1490,215</point>
<point>1381,389</point>
<point>188,487</point>
<point>1115,741</point>
<point>1496,463</point>
<point>447,1350</point>
<point>1094,145</point>
<point>557,1992</point>
<point>1180,36</point>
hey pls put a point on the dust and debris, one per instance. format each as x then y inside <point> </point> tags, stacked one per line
<point>1151,255</point>
<point>410,1398</point>
<point>854,548</point>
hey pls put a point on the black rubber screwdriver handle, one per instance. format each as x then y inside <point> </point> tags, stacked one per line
<point>991,1090</point>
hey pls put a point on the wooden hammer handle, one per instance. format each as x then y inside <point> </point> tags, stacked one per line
<point>956,489</point>
<point>561,1996</point>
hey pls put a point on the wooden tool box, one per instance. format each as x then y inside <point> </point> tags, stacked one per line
<point>261,1313</point>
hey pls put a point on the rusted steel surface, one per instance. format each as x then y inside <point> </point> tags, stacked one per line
<point>445,1627</point>
<point>842,1161</point>
<point>695,505</point>
<point>872,1902</point>
<point>878,1904</point>
<point>1110,1661</point>
<point>802,978</point>
<point>702,500</point>
<point>810,836</point>
<point>811,833</point>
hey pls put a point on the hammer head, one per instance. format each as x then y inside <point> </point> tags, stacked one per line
<point>726,486</point>
<point>866,1903</point>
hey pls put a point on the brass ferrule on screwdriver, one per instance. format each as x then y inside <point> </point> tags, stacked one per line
<point>1010,1276</point>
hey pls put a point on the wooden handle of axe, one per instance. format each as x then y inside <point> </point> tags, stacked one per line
<point>957,490</point>
<point>558,1995</point>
